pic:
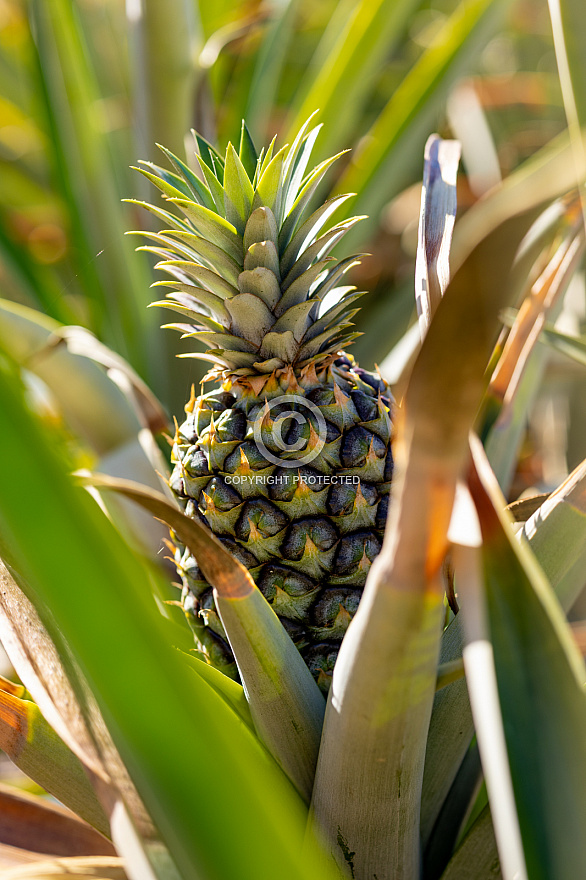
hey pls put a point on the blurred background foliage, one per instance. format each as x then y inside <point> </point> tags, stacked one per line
<point>88,86</point>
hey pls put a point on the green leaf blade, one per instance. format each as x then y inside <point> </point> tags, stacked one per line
<point>198,189</point>
<point>238,191</point>
<point>270,179</point>
<point>210,225</point>
<point>541,691</point>
<point>247,151</point>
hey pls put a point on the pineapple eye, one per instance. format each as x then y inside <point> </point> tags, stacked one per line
<point>281,426</point>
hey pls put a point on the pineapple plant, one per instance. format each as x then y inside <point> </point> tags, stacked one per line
<point>288,458</point>
<point>190,774</point>
<point>385,775</point>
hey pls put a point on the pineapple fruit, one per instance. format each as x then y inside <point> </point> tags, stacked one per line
<point>288,459</point>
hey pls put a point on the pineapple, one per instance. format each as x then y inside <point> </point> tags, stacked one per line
<point>288,459</point>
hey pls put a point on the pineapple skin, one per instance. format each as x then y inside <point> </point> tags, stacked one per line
<point>308,534</point>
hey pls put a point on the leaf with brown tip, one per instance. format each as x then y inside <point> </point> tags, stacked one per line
<point>113,603</point>
<point>36,749</point>
<point>431,450</point>
<point>46,669</point>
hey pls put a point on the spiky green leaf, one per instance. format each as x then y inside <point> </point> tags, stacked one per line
<point>268,187</point>
<point>247,151</point>
<point>210,225</point>
<point>195,185</point>
<point>238,191</point>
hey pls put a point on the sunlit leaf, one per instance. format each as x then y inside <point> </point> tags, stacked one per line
<point>436,223</point>
<point>48,671</point>
<point>103,402</point>
<point>556,533</point>
<point>573,347</point>
<point>431,447</point>
<point>67,78</point>
<point>548,174</point>
<point>269,65</point>
<point>90,401</point>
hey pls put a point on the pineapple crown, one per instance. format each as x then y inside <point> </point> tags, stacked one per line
<point>250,272</point>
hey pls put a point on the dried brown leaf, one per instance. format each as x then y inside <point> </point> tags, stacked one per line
<point>34,823</point>
<point>545,294</point>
